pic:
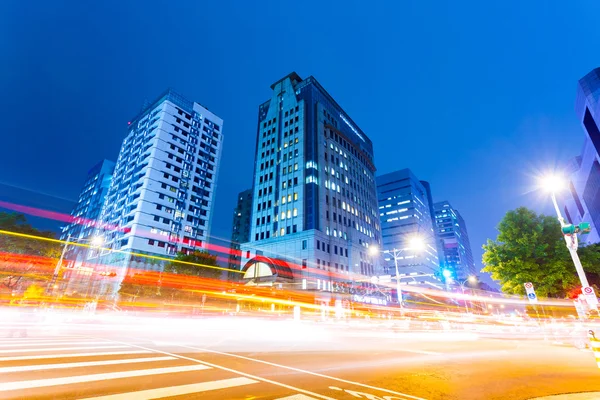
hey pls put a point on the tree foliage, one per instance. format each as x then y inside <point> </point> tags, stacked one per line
<point>24,258</point>
<point>198,263</point>
<point>143,284</point>
<point>531,248</point>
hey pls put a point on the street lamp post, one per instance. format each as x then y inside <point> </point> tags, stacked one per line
<point>470,279</point>
<point>553,184</point>
<point>416,243</point>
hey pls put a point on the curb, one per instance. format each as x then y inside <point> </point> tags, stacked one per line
<point>571,396</point>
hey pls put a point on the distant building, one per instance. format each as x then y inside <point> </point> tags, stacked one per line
<point>86,216</point>
<point>240,231</point>
<point>86,213</point>
<point>161,198</point>
<point>314,211</point>
<point>405,211</point>
<point>456,255</point>
<point>582,200</point>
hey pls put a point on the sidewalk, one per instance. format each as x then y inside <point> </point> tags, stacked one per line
<point>571,396</point>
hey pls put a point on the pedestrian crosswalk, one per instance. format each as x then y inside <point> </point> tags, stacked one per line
<point>86,368</point>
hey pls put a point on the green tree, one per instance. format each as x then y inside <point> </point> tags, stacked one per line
<point>199,263</point>
<point>530,248</point>
<point>143,284</point>
<point>24,258</point>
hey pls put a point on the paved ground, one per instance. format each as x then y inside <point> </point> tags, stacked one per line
<point>282,360</point>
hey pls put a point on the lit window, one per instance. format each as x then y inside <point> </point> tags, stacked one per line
<point>282,232</point>
<point>296,167</point>
<point>295,212</point>
<point>282,215</point>
<point>289,214</point>
<point>283,200</point>
<point>295,196</point>
<point>289,198</point>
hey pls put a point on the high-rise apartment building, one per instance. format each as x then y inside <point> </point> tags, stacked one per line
<point>86,213</point>
<point>582,199</point>
<point>314,209</point>
<point>405,211</point>
<point>456,254</point>
<point>86,216</point>
<point>240,230</point>
<point>160,201</point>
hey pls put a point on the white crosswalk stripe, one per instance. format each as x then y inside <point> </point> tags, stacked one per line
<point>28,350</point>
<point>23,373</point>
<point>178,390</point>
<point>37,344</point>
<point>97,377</point>
<point>69,355</point>
<point>44,367</point>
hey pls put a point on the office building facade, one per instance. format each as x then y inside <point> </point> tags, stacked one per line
<point>161,198</point>
<point>240,230</point>
<point>86,217</point>
<point>405,211</point>
<point>456,255</point>
<point>314,211</point>
<point>87,211</point>
<point>582,199</point>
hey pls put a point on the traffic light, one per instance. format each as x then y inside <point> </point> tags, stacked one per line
<point>569,229</point>
<point>582,228</point>
<point>585,227</point>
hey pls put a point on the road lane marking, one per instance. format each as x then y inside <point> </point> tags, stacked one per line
<point>258,378</point>
<point>178,390</point>
<point>429,353</point>
<point>69,355</point>
<point>24,368</point>
<point>301,371</point>
<point>20,385</point>
<point>61,343</point>
<point>63,348</point>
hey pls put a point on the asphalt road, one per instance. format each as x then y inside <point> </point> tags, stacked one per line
<point>229,359</point>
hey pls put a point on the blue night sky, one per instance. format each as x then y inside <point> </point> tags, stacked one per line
<point>476,96</point>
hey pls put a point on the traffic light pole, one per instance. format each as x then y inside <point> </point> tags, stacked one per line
<point>572,244</point>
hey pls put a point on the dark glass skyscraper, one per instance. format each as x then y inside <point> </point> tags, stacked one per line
<point>314,205</point>
<point>240,230</point>
<point>457,256</point>
<point>582,197</point>
<point>405,211</point>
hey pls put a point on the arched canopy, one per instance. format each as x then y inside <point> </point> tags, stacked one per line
<point>266,268</point>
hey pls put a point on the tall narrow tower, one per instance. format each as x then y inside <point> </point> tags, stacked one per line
<point>314,209</point>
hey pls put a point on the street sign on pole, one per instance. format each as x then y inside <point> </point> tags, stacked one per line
<point>530,292</point>
<point>590,296</point>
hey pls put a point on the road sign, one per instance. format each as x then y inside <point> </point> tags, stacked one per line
<point>590,296</point>
<point>530,292</point>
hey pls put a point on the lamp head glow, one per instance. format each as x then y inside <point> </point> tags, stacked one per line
<point>446,273</point>
<point>472,279</point>
<point>417,243</point>
<point>553,183</point>
<point>373,250</point>
<point>97,241</point>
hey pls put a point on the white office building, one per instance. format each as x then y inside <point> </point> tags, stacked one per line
<point>161,198</point>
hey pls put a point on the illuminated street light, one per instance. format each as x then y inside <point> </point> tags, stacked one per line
<point>97,241</point>
<point>416,243</point>
<point>373,250</point>
<point>447,273</point>
<point>553,184</point>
